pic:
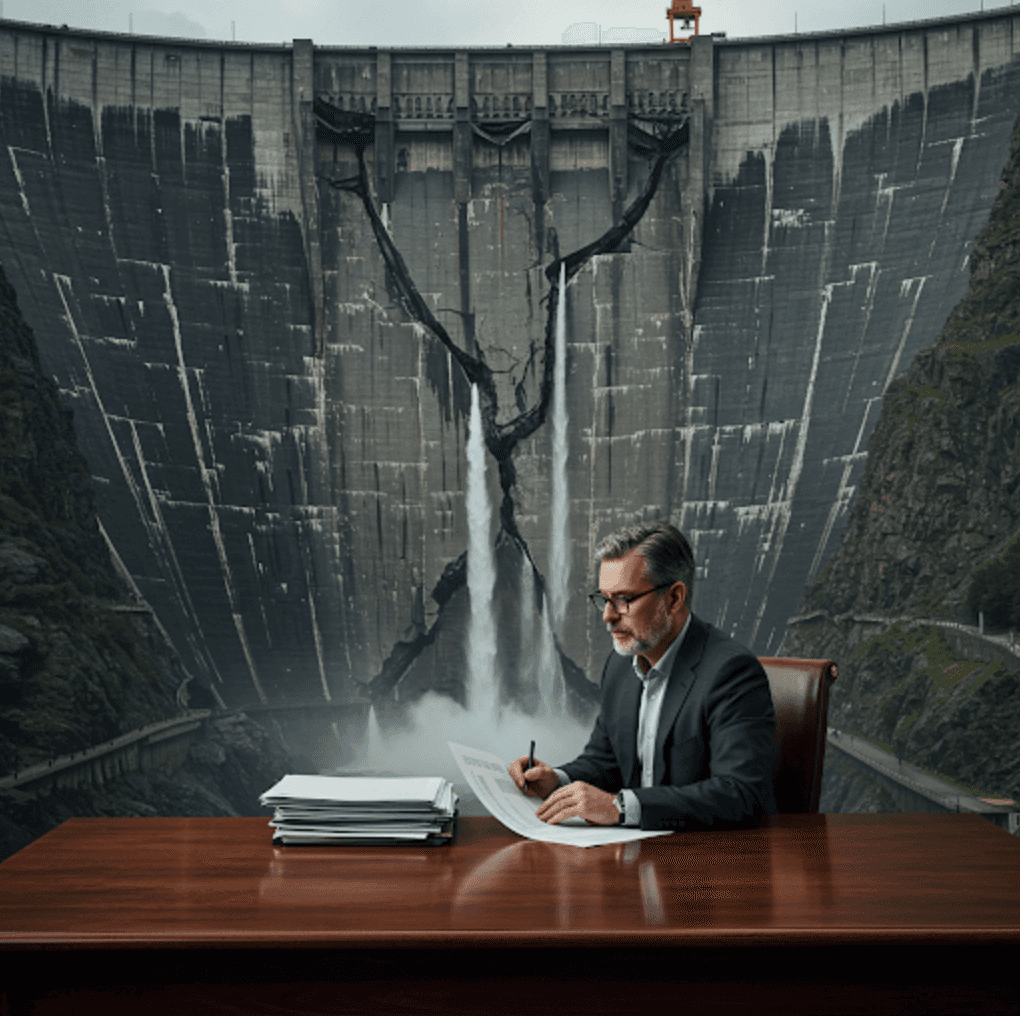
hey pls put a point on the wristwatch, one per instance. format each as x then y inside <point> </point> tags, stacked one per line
<point>621,807</point>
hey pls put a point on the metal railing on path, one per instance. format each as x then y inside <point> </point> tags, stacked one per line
<point>136,751</point>
<point>932,788</point>
<point>1009,642</point>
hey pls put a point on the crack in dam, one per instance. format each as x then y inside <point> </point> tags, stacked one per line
<point>668,135</point>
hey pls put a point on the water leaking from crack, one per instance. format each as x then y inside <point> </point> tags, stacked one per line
<point>481,576</point>
<point>559,564</point>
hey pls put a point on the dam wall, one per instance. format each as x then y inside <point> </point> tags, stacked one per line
<point>278,446</point>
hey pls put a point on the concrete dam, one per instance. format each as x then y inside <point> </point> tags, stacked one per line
<point>267,280</point>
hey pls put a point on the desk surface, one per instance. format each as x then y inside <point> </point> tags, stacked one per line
<point>802,879</point>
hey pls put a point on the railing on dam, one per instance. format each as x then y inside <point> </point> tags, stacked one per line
<point>162,745</point>
<point>923,792</point>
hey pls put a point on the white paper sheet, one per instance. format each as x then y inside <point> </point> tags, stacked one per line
<point>382,792</point>
<point>488,777</point>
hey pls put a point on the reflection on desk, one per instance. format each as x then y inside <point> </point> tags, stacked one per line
<point>800,871</point>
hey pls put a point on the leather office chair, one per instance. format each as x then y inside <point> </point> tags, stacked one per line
<point>800,694</point>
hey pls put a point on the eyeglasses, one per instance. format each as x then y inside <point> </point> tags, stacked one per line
<point>621,604</point>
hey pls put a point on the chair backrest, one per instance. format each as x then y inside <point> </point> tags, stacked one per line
<point>800,694</point>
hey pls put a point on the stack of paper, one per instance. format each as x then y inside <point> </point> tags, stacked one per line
<point>387,810</point>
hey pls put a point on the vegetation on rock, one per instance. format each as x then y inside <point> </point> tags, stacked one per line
<point>914,689</point>
<point>995,589</point>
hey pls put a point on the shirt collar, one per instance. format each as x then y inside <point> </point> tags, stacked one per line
<point>665,664</point>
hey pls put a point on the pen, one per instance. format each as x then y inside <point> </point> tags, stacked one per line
<point>531,763</point>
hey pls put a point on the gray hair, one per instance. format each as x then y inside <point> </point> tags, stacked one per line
<point>668,555</point>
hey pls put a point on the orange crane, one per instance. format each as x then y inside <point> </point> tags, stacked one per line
<point>687,13</point>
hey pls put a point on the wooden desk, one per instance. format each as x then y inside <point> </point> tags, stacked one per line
<point>810,914</point>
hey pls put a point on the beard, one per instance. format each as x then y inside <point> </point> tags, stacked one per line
<point>641,641</point>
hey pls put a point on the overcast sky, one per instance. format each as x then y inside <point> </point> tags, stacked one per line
<point>460,22</point>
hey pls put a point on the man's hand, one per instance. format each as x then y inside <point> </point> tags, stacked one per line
<point>580,800</point>
<point>541,779</point>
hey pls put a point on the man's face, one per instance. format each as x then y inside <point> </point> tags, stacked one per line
<point>648,620</point>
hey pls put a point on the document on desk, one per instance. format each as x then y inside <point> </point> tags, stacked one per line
<point>487,776</point>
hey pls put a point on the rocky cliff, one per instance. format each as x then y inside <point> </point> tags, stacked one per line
<point>932,531</point>
<point>81,659</point>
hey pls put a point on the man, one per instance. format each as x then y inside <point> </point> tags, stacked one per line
<point>685,735</point>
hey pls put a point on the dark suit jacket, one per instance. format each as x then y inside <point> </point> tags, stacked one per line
<point>714,750</point>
